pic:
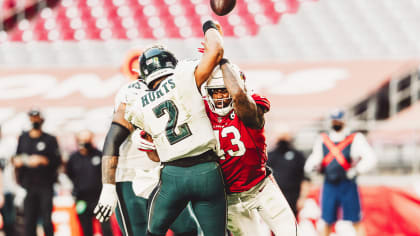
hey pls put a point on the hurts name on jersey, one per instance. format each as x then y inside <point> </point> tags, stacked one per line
<point>163,88</point>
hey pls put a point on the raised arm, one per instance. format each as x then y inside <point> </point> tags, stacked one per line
<point>244,105</point>
<point>213,52</point>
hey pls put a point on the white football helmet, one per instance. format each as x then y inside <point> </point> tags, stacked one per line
<point>216,82</point>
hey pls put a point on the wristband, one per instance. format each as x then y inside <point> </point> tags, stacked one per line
<point>208,25</point>
<point>223,61</point>
<point>108,187</point>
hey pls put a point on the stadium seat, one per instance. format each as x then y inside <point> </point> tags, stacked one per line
<point>144,12</point>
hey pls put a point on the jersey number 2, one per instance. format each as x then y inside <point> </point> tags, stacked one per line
<point>172,110</point>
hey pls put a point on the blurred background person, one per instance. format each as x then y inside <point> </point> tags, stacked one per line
<point>1,199</point>
<point>8,210</point>
<point>288,164</point>
<point>84,170</point>
<point>341,156</point>
<point>37,160</point>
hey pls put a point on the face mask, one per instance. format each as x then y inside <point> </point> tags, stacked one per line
<point>88,146</point>
<point>337,127</point>
<point>36,125</point>
<point>283,145</point>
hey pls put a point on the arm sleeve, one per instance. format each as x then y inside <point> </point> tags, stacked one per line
<point>114,138</point>
<point>315,159</point>
<point>362,151</point>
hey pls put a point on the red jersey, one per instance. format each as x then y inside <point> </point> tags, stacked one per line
<point>245,149</point>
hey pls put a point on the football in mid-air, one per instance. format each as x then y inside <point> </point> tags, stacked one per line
<point>222,7</point>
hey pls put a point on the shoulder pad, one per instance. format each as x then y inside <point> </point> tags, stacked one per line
<point>136,85</point>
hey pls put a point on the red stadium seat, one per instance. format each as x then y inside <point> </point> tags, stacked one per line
<point>67,34</point>
<point>119,33</point>
<point>145,31</point>
<point>244,10</point>
<point>15,35</point>
<point>93,34</point>
<point>41,35</point>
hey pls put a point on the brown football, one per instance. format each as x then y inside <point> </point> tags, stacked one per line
<point>222,7</point>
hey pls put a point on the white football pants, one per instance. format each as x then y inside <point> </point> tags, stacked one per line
<point>264,200</point>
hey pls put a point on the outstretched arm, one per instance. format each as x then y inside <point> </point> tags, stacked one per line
<point>213,52</point>
<point>244,105</point>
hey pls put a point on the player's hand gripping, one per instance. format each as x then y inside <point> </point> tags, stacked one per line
<point>107,203</point>
<point>143,141</point>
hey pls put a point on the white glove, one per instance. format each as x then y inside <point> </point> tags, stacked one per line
<point>107,202</point>
<point>351,173</point>
<point>141,143</point>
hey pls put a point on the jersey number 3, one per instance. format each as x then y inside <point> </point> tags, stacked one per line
<point>236,140</point>
<point>172,110</point>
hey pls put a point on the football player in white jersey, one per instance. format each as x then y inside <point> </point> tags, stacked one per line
<point>172,112</point>
<point>135,169</point>
<point>182,134</point>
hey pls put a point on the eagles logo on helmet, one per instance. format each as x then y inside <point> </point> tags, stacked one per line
<point>156,62</point>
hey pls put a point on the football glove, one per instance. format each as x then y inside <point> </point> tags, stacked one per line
<point>107,202</point>
<point>142,143</point>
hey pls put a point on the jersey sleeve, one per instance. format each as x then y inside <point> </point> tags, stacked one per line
<point>128,93</point>
<point>185,80</point>
<point>130,97</point>
<point>131,114</point>
<point>184,71</point>
<point>362,149</point>
<point>120,97</point>
<point>262,101</point>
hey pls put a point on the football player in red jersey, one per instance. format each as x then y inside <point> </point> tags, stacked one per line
<point>238,121</point>
<point>237,117</point>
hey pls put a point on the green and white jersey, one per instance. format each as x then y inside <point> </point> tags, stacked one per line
<point>131,159</point>
<point>174,115</point>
